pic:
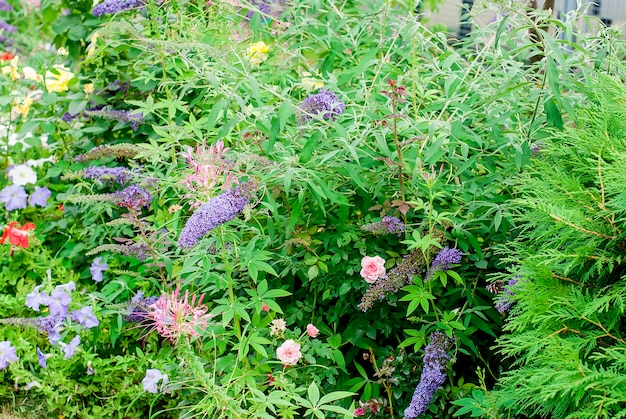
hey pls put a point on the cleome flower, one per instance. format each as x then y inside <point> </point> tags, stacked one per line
<point>174,317</point>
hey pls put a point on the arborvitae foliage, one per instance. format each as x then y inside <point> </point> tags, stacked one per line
<point>567,332</point>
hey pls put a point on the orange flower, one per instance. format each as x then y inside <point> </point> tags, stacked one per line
<point>17,235</point>
<point>6,56</point>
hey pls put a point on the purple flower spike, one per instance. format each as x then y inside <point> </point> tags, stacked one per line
<point>443,261</point>
<point>85,317</point>
<point>14,197</point>
<point>5,6</point>
<point>59,303</point>
<point>7,354</point>
<point>35,298</point>
<point>108,175</point>
<point>218,210</point>
<point>96,269</point>
<point>133,196</point>
<point>70,347</point>
<point>388,225</point>
<point>111,7</point>
<point>505,302</point>
<point>325,104</point>
<point>39,197</point>
<point>433,374</point>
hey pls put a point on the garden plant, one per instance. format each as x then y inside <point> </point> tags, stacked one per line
<point>284,209</point>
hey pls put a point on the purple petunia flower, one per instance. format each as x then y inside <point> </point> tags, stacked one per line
<point>151,380</point>
<point>59,302</point>
<point>433,374</point>
<point>41,357</point>
<point>325,104</point>
<point>14,197</point>
<point>96,269</point>
<point>443,261</point>
<point>7,354</point>
<point>39,197</point>
<point>111,7</point>
<point>85,317</point>
<point>68,288</point>
<point>69,348</point>
<point>218,210</point>
<point>35,298</point>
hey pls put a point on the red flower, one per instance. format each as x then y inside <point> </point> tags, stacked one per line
<point>17,235</point>
<point>264,307</point>
<point>6,56</point>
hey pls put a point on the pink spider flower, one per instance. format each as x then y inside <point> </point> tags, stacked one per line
<point>209,166</point>
<point>174,317</point>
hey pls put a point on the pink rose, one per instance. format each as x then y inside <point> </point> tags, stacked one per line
<point>312,330</point>
<point>372,268</point>
<point>289,352</point>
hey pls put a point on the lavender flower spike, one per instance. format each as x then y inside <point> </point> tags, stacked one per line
<point>217,211</point>
<point>110,7</point>
<point>505,302</point>
<point>443,261</point>
<point>325,104</point>
<point>388,225</point>
<point>433,374</point>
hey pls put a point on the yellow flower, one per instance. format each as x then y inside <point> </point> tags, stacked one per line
<point>58,82</point>
<point>12,69</point>
<point>31,74</point>
<point>258,52</point>
<point>310,83</point>
<point>92,46</point>
<point>21,108</point>
<point>88,88</point>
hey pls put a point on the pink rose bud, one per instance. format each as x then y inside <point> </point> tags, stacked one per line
<point>289,352</point>
<point>372,268</point>
<point>312,330</point>
<point>264,307</point>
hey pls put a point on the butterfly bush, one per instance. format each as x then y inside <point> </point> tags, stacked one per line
<point>505,302</point>
<point>217,211</point>
<point>433,374</point>
<point>443,261</point>
<point>388,225</point>
<point>111,7</point>
<point>324,104</point>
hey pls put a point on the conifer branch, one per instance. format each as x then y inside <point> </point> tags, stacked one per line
<point>607,333</point>
<point>595,233</point>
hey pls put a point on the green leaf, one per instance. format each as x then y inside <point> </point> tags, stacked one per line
<point>313,393</point>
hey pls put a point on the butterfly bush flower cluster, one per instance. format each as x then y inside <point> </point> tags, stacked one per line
<point>111,7</point>
<point>324,104</point>
<point>217,211</point>
<point>443,261</point>
<point>505,302</point>
<point>117,151</point>
<point>133,117</point>
<point>107,175</point>
<point>388,225</point>
<point>139,307</point>
<point>396,278</point>
<point>433,374</point>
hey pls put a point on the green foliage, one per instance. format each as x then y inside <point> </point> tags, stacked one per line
<point>566,331</point>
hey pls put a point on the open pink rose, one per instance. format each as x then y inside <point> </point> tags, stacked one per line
<point>372,268</point>
<point>312,330</point>
<point>289,352</point>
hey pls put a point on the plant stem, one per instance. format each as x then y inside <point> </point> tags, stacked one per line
<point>229,281</point>
<point>394,108</point>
